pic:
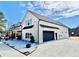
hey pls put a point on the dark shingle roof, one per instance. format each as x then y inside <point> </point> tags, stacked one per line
<point>44,18</point>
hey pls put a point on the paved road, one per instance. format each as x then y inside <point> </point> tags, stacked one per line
<point>6,51</point>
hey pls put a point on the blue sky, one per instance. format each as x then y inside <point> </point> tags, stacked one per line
<point>64,12</point>
<point>12,11</point>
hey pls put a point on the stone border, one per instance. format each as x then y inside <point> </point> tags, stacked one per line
<point>25,53</point>
<point>17,49</point>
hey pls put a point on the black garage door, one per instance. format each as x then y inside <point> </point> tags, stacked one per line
<point>48,35</point>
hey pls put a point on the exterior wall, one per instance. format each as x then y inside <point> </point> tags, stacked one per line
<point>33,30</point>
<point>37,32</point>
<point>15,31</point>
<point>62,32</point>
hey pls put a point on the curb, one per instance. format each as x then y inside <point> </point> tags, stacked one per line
<point>25,53</point>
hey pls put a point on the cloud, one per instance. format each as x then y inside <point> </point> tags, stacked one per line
<point>22,4</point>
<point>57,9</point>
<point>23,11</point>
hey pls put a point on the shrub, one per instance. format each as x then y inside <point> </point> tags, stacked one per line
<point>32,39</point>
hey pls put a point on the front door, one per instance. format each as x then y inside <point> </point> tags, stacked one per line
<point>56,35</point>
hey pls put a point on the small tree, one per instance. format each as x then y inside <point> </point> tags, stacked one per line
<point>1,22</point>
<point>32,39</point>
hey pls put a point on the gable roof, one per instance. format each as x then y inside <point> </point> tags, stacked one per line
<point>44,18</point>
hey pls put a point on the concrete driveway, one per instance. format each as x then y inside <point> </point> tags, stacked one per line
<point>59,48</point>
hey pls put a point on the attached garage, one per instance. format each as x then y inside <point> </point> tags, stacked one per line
<point>42,28</point>
<point>48,36</point>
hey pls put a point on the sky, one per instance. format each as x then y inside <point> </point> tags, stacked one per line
<point>66,12</point>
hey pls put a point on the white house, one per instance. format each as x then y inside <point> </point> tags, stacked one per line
<point>15,30</point>
<point>42,28</point>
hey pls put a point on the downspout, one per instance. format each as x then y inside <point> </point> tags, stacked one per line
<point>38,31</point>
<point>21,31</point>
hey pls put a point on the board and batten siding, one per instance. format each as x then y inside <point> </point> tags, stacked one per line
<point>62,32</point>
<point>37,30</point>
<point>33,30</point>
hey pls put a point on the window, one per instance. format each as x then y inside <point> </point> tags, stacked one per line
<point>26,22</point>
<point>29,22</point>
<point>65,32</point>
<point>28,35</point>
<point>62,31</point>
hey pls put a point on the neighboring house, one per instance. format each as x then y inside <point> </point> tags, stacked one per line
<point>74,31</point>
<point>15,29</point>
<point>42,28</point>
<point>18,29</point>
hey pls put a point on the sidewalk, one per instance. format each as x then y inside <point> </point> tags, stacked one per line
<point>6,51</point>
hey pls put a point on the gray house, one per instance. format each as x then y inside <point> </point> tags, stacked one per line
<point>42,28</point>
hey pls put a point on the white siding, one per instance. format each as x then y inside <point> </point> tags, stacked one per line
<point>37,32</point>
<point>33,30</point>
<point>62,31</point>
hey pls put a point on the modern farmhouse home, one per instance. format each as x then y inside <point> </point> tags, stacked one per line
<point>14,31</point>
<point>42,28</point>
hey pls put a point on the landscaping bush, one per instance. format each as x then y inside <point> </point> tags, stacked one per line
<point>32,39</point>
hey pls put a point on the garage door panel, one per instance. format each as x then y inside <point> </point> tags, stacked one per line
<point>48,35</point>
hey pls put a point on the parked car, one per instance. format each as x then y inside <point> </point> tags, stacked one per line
<point>6,38</point>
<point>0,37</point>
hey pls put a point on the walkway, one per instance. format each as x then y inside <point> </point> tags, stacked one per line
<point>6,51</point>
